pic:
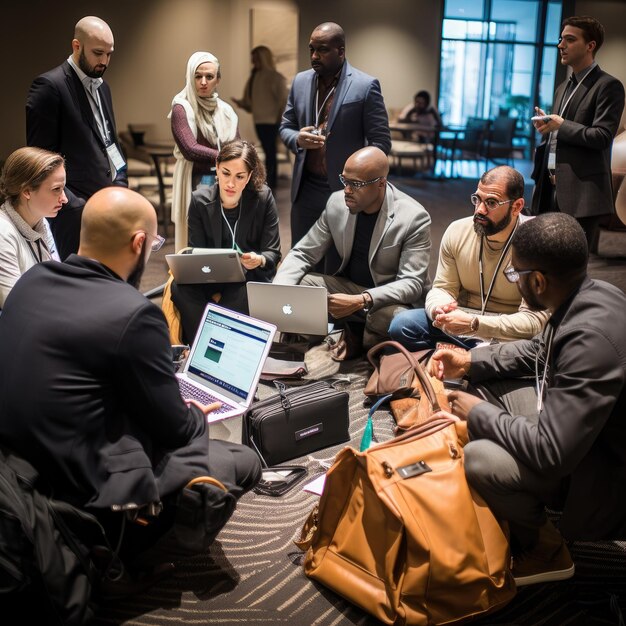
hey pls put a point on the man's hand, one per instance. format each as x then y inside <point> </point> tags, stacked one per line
<point>554,123</point>
<point>309,141</point>
<point>205,408</point>
<point>455,322</point>
<point>449,364</point>
<point>342,304</point>
<point>444,308</point>
<point>461,403</point>
<point>251,260</point>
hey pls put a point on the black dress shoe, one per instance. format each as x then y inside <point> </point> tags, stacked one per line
<point>126,584</point>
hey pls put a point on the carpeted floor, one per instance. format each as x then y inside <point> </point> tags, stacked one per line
<point>253,573</point>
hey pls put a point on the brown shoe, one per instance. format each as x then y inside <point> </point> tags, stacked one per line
<point>547,561</point>
<point>349,346</point>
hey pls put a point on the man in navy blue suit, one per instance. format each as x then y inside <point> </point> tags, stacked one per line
<point>333,110</point>
<point>69,110</point>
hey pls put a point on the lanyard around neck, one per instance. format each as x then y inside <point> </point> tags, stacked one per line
<point>484,298</point>
<point>573,91</point>
<point>319,109</point>
<point>541,384</point>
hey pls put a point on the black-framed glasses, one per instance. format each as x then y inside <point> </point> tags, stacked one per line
<point>358,184</point>
<point>491,204</point>
<point>157,240</point>
<point>513,275</point>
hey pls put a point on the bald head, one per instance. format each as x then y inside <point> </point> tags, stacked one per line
<point>367,165</point>
<point>111,217</point>
<point>370,162</point>
<point>92,45</point>
<point>331,32</point>
<point>92,27</point>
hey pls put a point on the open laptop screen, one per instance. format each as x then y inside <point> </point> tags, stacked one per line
<point>227,353</point>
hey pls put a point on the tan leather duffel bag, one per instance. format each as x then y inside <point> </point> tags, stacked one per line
<point>400,533</point>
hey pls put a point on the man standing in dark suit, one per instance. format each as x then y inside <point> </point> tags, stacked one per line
<point>572,168</point>
<point>332,111</point>
<point>69,110</point>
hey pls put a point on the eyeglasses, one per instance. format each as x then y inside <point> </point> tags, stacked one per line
<point>157,240</point>
<point>491,204</point>
<point>357,184</point>
<point>513,275</point>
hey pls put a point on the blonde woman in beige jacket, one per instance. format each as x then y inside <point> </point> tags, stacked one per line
<point>265,96</point>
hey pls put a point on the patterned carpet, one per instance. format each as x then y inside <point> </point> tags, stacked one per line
<point>253,572</point>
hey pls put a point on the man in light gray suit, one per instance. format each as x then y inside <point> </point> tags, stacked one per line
<point>382,237</point>
<point>332,110</point>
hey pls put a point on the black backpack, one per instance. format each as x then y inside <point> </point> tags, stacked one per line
<point>46,572</point>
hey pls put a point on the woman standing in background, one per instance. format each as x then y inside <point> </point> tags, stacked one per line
<point>201,123</point>
<point>265,96</point>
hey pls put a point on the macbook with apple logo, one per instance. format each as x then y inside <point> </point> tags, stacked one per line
<point>206,265</point>
<point>299,309</point>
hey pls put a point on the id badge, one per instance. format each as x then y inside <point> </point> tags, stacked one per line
<point>116,159</point>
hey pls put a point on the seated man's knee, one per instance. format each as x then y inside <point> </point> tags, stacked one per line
<point>479,462</point>
<point>409,325</point>
<point>313,280</point>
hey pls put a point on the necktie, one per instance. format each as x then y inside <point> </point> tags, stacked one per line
<point>92,86</point>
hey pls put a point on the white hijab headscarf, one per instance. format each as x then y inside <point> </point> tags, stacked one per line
<point>217,122</point>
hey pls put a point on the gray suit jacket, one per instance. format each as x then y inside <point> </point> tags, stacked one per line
<point>357,118</point>
<point>399,250</point>
<point>583,149</point>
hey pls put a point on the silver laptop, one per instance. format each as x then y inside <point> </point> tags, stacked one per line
<point>225,361</point>
<point>292,308</point>
<point>206,265</point>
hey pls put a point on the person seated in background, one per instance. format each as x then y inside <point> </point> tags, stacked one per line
<point>265,96</point>
<point>101,415</point>
<point>32,188</point>
<point>237,212</point>
<point>382,237</point>
<point>420,112</point>
<point>471,299</point>
<point>561,444</point>
<point>201,123</point>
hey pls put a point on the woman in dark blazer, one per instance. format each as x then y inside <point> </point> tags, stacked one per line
<point>238,212</point>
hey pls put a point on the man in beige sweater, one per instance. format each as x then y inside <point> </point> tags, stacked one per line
<point>471,300</point>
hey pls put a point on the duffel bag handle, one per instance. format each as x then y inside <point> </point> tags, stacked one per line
<point>415,364</point>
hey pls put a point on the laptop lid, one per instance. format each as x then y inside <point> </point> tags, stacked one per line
<point>300,309</point>
<point>228,354</point>
<point>206,265</point>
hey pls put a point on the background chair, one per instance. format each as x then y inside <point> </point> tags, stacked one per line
<point>499,141</point>
<point>468,145</point>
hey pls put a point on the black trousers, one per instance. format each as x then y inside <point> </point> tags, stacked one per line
<point>267,134</point>
<point>308,206</point>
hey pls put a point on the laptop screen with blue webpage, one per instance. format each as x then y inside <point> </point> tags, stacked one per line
<point>229,352</point>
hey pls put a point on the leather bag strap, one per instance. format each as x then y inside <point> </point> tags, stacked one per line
<point>415,364</point>
<point>205,479</point>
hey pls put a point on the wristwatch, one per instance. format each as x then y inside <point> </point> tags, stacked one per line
<point>367,301</point>
<point>474,324</point>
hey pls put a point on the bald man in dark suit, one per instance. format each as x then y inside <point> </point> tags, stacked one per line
<point>69,110</point>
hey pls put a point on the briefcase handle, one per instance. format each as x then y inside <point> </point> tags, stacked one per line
<point>415,364</point>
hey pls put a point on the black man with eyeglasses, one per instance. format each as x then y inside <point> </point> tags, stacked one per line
<point>565,449</point>
<point>382,240</point>
<point>471,300</point>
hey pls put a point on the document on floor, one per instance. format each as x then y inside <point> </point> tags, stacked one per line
<point>316,486</point>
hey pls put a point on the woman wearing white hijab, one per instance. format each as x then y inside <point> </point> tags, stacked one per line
<point>201,123</point>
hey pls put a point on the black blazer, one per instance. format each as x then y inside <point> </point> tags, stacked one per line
<point>59,118</point>
<point>91,399</point>
<point>257,229</point>
<point>583,149</point>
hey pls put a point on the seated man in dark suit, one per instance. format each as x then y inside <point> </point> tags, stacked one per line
<point>87,388</point>
<point>564,449</point>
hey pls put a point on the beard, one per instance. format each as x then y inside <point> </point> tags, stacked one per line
<point>134,278</point>
<point>90,70</point>
<point>493,228</point>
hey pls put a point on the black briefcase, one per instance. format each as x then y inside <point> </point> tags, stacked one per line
<point>296,422</point>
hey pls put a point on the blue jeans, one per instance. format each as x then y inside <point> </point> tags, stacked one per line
<point>415,331</point>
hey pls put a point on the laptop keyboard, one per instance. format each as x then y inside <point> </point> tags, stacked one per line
<point>188,390</point>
